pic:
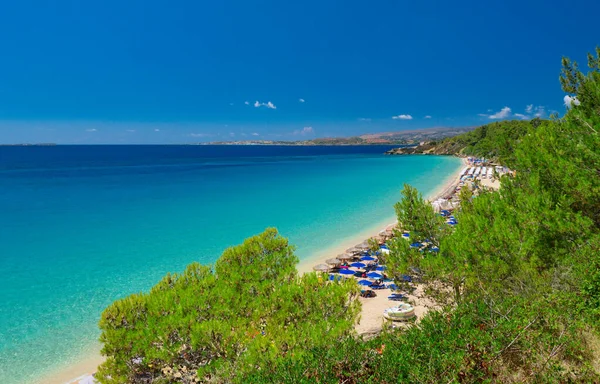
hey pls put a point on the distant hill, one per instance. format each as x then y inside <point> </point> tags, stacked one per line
<point>401,137</point>
<point>493,141</point>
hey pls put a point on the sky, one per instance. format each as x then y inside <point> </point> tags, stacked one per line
<point>77,72</point>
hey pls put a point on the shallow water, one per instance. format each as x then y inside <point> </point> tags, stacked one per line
<point>81,226</point>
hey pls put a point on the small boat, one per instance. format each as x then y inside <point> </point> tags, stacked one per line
<point>400,312</point>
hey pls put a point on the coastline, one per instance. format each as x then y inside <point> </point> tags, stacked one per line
<point>81,372</point>
<point>444,188</point>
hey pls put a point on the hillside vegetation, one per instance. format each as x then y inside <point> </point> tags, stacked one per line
<point>518,282</point>
<point>496,140</point>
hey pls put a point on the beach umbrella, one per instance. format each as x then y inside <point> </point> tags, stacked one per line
<point>363,245</point>
<point>416,245</point>
<point>344,256</point>
<point>406,235</point>
<point>333,261</point>
<point>358,265</point>
<point>381,268</point>
<point>435,249</point>
<point>393,287</point>
<point>367,258</point>
<point>374,275</point>
<point>407,278</point>
<point>366,283</point>
<point>352,250</point>
<point>346,272</point>
<point>321,268</point>
<point>335,278</point>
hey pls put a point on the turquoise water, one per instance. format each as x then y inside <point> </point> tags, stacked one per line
<point>83,226</point>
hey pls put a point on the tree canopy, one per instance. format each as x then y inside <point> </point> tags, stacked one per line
<point>219,323</point>
<point>520,270</point>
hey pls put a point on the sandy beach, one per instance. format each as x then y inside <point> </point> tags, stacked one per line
<point>371,318</point>
<point>446,187</point>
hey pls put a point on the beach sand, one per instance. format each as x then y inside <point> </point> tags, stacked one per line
<point>78,373</point>
<point>340,245</point>
<point>371,318</point>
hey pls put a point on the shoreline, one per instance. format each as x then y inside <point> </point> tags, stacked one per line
<point>445,187</point>
<point>81,372</point>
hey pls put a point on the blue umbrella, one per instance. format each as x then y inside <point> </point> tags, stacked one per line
<point>346,272</point>
<point>367,258</point>
<point>384,246</point>
<point>366,283</point>
<point>335,278</point>
<point>381,268</point>
<point>435,249</point>
<point>405,235</point>
<point>407,278</point>
<point>393,287</point>
<point>358,265</point>
<point>374,275</point>
<point>416,245</point>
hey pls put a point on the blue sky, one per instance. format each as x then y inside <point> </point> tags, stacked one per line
<point>169,72</point>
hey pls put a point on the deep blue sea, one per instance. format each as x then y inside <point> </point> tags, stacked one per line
<point>81,226</point>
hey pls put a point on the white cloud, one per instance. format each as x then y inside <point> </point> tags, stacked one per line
<point>428,117</point>
<point>268,104</point>
<point>364,119</point>
<point>130,130</point>
<point>247,102</point>
<point>91,130</point>
<point>305,131</point>
<point>301,100</point>
<point>254,134</point>
<point>570,101</point>
<point>200,134</point>
<point>504,113</point>
<point>156,130</point>
<point>539,111</point>
<point>531,111</point>
<point>402,117</point>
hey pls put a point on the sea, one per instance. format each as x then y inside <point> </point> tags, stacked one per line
<point>82,226</point>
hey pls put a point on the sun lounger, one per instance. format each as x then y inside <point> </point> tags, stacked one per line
<point>396,297</point>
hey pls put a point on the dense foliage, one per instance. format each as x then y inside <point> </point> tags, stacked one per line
<point>206,323</point>
<point>519,275</point>
<point>518,281</point>
<point>496,140</point>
